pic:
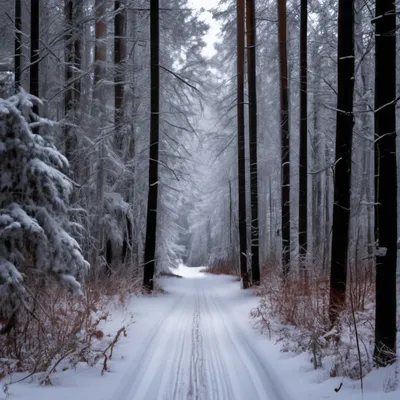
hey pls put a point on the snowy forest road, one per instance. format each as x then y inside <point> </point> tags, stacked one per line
<point>195,348</point>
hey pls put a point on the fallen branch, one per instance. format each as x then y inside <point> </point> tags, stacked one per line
<point>111,348</point>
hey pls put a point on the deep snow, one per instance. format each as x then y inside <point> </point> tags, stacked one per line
<point>196,342</point>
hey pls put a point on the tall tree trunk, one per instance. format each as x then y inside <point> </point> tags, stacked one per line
<point>119,61</point>
<point>34,66</point>
<point>241,144</point>
<point>342,181</point>
<point>252,96</point>
<point>77,48</point>
<point>231,227</point>
<point>109,256</point>
<point>69,67</point>
<point>385,182</point>
<point>303,138</point>
<point>151,224</point>
<point>365,126</point>
<point>100,49</point>
<point>316,184</point>
<point>100,54</point>
<point>17,45</point>
<point>316,154</point>
<point>127,242</point>
<point>72,56</point>
<point>119,77</point>
<point>327,243</point>
<point>271,223</point>
<point>133,236</point>
<point>285,137</point>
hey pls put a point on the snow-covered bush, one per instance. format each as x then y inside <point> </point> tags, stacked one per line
<point>59,330</point>
<point>35,237</point>
<point>295,312</point>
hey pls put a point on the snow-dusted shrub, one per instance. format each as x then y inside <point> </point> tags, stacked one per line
<point>222,267</point>
<point>295,312</point>
<point>35,228</point>
<point>120,285</point>
<point>57,329</point>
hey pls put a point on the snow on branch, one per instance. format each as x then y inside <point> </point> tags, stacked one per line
<point>34,201</point>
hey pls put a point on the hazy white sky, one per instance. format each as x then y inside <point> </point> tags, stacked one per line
<point>211,37</point>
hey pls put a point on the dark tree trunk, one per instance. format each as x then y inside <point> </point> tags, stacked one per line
<point>17,44</point>
<point>34,65</point>
<point>109,257</point>
<point>69,67</point>
<point>127,242</point>
<point>342,181</point>
<point>100,48</point>
<point>119,76</point>
<point>68,54</point>
<point>285,137</point>
<point>303,139</point>
<point>385,182</point>
<point>231,242</point>
<point>72,57</point>
<point>272,241</point>
<point>252,95</point>
<point>98,108</point>
<point>316,184</point>
<point>151,224</point>
<point>119,60</point>
<point>327,243</point>
<point>317,207</point>
<point>78,12</point>
<point>241,144</point>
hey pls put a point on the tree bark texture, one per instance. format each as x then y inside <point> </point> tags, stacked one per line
<point>285,136</point>
<point>35,56</point>
<point>151,223</point>
<point>241,143</point>
<point>303,190</point>
<point>385,182</point>
<point>252,96</point>
<point>342,176</point>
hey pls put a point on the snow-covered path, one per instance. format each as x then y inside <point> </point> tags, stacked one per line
<point>196,349</point>
<point>195,342</point>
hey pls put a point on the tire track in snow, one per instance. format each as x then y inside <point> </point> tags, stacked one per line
<point>218,368</point>
<point>195,389</point>
<point>131,376</point>
<point>162,356</point>
<point>170,352</point>
<point>264,378</point>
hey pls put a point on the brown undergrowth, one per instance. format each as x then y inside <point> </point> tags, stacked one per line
<point>221,267</point>
<point>294,311</point>
<point>54,329</point>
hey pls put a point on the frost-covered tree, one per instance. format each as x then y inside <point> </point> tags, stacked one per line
<point>96,83</point>
<point>36,235</point>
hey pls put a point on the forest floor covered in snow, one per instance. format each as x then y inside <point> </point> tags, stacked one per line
<point>196,341</point>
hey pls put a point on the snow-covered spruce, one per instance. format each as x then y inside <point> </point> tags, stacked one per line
<point>34,201</point>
